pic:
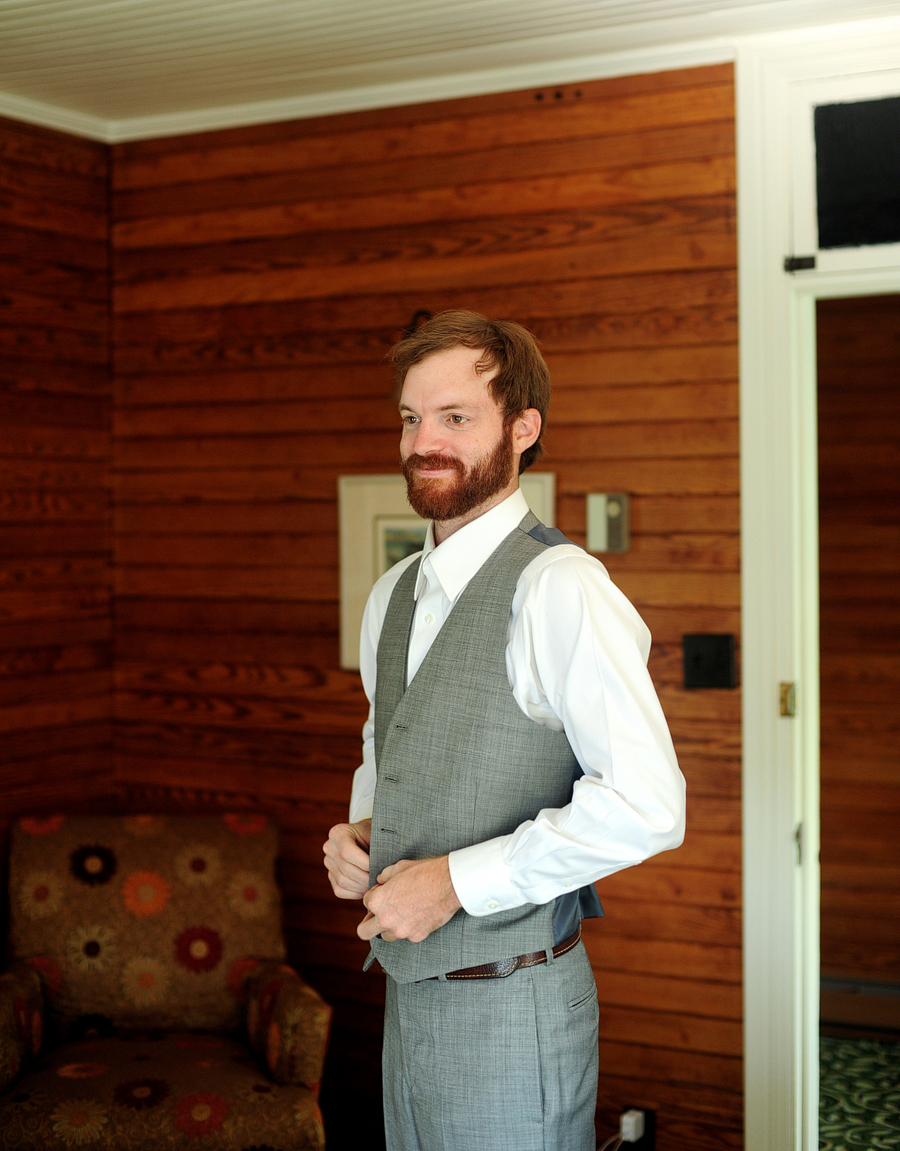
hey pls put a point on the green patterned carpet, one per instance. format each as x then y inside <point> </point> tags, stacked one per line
<point>859,1108</point>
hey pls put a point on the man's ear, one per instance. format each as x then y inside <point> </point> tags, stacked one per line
<point>526,429</point>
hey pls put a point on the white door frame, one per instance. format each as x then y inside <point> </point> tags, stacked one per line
<point>776,78</point>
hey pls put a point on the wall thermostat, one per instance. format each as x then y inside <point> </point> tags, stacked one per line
<point>608,522</point>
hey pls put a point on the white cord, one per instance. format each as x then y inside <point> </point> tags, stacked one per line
<point>613,1143</point>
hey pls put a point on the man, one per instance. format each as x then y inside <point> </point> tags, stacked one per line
<point>515,752</point>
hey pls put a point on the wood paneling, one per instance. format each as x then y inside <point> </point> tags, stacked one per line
<point>55,451</point>
<point>859,517</point>
<point>261,275</point>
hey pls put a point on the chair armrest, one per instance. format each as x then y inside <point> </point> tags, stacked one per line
<point>287,1024</point>
<point>21,1020</point>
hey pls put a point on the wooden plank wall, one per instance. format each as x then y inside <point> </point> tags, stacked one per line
<point>859,521</point>
<point>55,450</point>
<point>260,276</point>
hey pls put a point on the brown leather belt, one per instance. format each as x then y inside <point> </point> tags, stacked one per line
<point>503,967</point>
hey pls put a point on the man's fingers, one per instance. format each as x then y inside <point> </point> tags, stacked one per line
<point>344,890</point>
<point>342,845</point>
<point>368,928</point>
<point>340,867</point>
<point>347,860</point>
<point>354,854</point>
<point>362,832</point>
<point>409,900</point>
<point>348,885</point>
<point>394,869</point>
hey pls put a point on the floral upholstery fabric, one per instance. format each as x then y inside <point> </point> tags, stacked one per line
<point>144,921</point>
<point>143,1093</point>
<point>287,1024</point>
<point>133,935</point>
<point>21,1021</point>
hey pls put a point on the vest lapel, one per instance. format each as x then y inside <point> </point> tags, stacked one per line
<point>393,643</point>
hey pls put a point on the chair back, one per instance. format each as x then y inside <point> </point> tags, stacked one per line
<point>144,921</point>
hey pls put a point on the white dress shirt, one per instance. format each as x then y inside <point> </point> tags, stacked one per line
<point>577,662</point>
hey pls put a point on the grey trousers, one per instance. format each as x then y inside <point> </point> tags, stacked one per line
<point>493,1064</point>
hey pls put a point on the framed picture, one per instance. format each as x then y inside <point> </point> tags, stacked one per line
<point>378,529</point>
<point>397,537</point>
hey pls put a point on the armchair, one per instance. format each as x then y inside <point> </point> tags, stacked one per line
<point>148,1003</point>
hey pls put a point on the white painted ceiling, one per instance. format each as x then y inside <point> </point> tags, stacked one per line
<point>123,68</point>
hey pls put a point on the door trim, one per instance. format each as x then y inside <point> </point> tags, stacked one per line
<point>779,541</point>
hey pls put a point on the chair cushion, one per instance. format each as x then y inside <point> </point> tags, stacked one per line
<point>143,1093</point>
<point>144,921</point>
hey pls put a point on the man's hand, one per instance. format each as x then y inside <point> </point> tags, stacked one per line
<point>412,898</point>
<point>347,858</point>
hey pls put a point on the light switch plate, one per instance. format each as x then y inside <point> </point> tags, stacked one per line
<point>708,660</point>
<point>608,522</point>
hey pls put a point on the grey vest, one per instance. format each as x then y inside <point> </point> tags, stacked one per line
<point>458,762</point>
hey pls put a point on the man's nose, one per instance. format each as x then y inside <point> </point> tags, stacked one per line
<point>429,439</point>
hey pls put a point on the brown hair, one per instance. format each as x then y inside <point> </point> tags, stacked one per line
<point>522,381</point>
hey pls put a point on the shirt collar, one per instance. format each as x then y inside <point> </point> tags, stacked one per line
<point>459,557</point>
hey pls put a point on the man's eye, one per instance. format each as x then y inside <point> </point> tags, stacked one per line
<point>458,419</point>
<point>410,419</point>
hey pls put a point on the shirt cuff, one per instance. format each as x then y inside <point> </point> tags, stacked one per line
<point>482,880</point>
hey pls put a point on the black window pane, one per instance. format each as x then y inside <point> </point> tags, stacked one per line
<point>858,173</point>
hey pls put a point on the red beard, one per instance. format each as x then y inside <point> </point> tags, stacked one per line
<point>443,500</point>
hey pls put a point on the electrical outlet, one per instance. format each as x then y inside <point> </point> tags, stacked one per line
<point>631,1125</point>
<point>637,1128</point>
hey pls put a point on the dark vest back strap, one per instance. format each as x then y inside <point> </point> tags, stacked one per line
<point>552,537</point>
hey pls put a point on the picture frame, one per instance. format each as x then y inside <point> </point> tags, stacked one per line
<point>378,528</point>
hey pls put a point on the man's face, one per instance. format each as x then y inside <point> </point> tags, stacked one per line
<point>455,452</point>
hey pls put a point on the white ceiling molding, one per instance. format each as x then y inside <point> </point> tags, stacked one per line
<point>420,91</point>
<point>118,70</point>
<point>51,116</point>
